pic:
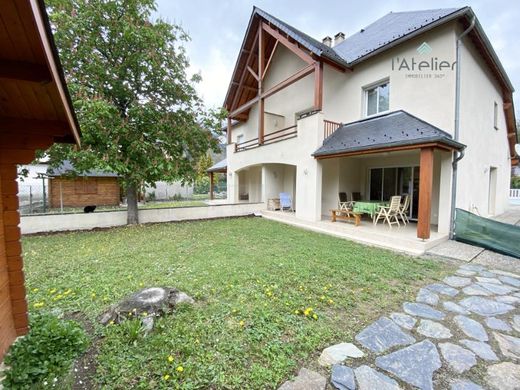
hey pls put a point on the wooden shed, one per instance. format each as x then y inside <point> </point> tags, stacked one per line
<point>95,187</point>
<point>35,112</point>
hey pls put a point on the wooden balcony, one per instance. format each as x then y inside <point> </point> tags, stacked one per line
<point>329,127</point>
<point>275,136</point>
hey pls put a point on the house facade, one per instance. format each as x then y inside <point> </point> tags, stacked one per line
<point>394,109</point>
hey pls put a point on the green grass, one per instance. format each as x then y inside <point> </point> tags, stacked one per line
<point>251,278</point>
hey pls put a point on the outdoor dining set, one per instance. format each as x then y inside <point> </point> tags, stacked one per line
<point>393,212</point>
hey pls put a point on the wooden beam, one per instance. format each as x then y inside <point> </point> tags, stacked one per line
<point>288,81</point>
<point>253,73</point>
<point>261,102</point>
<point>24,71</point>
<point>387,149</point>
<point>211,186</point>
<point>306,57</point>
<point>508,105</point>
<point>242,77</point>
<point>244,107</point>
<point>270,59</point>
<point>318,86</point>
<point>425,193</point>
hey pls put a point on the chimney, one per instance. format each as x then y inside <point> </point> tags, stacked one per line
<point>338,38</point>
<point>327,41</point>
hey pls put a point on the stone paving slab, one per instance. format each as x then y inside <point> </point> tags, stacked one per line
<point>382,335</point>
<point>458,341</point>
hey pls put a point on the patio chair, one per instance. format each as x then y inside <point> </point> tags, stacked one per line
<point>390,213</point>
<point>356,196</point>
<point>343,203</point>
<point>286,202</point>
<point>403,209</point>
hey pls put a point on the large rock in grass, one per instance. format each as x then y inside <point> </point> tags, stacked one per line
<point>148,303</point>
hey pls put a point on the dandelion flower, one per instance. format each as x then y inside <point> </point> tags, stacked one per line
<point>111,322</point>
<point>35,290</point>
<point>179,369</point>
<point>166,377</point>
<point>307,311</point>
<point>52,291</point>
<point>331,301</point>
<point>144,314</point>
<point>322,297</point>
<point>93,295</point>
<point>170,358</point>
<point>315,316</point>
<point>241,323</point>
<point>296,312</point>
<point>141,284</point>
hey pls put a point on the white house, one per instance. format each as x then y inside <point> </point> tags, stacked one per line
<point>415,103</point>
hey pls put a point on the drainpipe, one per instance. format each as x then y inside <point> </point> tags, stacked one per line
<point>459,155</point>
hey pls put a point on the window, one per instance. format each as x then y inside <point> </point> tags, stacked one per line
<point>85,186</point>
<point>377,98</point>
<point>495,116</point>
<point>240,138</point>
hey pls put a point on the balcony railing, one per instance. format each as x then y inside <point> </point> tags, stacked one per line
<point>275,136</point>
<point>329,127</point>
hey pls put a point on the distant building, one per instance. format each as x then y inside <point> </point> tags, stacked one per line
<point>95,187</point>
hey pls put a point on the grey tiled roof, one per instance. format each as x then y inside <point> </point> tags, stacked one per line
<point>388,29</point>
<point>66,168</point>
<point>313,45</point>
<point>397,128</point>
<point>220,166</point>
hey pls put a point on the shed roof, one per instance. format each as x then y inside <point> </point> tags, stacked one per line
<point>393,129</point>
<point>221,166</point>
<point>67,169</point>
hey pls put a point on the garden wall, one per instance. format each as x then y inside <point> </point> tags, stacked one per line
<point>61,222</point>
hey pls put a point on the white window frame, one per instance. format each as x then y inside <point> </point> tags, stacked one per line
<point>365,97</point>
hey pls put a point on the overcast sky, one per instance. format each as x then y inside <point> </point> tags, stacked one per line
<point>217,29</point>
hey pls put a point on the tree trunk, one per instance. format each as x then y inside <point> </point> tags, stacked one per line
<point>131,200</point>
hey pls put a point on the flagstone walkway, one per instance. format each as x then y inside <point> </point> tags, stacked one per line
<point>462,334</point>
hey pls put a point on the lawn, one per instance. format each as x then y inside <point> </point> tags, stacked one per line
<point>252,280</point>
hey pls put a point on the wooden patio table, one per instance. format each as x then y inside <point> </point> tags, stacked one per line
<point>370,207</point>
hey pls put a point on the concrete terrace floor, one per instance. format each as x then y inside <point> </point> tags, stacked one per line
<point>401,239</point>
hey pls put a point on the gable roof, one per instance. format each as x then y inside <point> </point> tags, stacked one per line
<point>390,28</point>
<point>67,169</point>
<point>397,128</point>
<point>313,45</point>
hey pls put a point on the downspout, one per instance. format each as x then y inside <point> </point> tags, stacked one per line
<point>459,155</point>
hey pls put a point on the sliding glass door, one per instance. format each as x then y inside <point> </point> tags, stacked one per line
<point>387,182</point>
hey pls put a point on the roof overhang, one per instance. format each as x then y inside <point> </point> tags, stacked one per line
<point>53,62</point>
<point>441,145</point>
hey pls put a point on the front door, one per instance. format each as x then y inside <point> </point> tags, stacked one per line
<point>387,182</point>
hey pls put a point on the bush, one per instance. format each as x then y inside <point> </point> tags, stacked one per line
<point>45,353</point>
<point>515,182</point>
<point>201,185</point>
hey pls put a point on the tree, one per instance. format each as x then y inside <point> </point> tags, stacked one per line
<point>138,110</point>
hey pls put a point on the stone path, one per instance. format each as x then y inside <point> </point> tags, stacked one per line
<point>463,333</point>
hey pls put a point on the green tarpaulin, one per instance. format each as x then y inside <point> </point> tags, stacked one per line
<point>487,233</point>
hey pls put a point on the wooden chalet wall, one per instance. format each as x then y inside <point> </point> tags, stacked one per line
<point>35,112</point>
<point>81,191</point>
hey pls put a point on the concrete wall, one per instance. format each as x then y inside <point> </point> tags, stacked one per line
<point>294,152</point>
<point>487,147</point>
<point>63,222</point>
